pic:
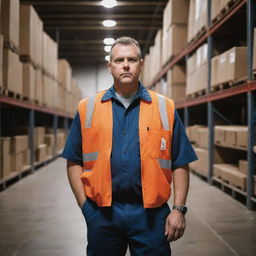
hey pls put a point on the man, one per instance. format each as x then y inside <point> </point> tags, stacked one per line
<point>125,147</point>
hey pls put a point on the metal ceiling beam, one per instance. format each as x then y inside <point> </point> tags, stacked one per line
<point>90,3</point>
<point>93,42</point>
<point>98,16</point>
<point>99,22</point>
<point>101,28</point>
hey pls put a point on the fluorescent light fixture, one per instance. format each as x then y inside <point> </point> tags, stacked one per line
<point>107,48</point>
<point>109,3</point>
<point>107,58</point>
<point>109,23</point>
<point>109,41</point>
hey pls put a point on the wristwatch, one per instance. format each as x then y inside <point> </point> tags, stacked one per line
<point>182,208</point>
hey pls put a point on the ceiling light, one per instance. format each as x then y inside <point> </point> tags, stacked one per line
<point>109,23</point>
<point>108,3</point>
<point>107,48</point>
<point>109,41</point>
<point>107,58</point>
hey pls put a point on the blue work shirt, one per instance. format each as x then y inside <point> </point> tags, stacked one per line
<point>125,155</point>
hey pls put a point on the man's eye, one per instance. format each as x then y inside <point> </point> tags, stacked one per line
<point>118,60</point>
<point>133,60</point>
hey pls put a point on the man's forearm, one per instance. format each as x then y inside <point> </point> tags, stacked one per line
<point>181,185</point>
<point>74,172</point>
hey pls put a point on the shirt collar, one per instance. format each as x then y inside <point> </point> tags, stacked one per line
<point>142,94</point>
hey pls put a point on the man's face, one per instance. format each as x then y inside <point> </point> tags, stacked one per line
<point>125,65</point>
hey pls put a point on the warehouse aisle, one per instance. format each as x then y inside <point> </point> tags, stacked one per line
<point>39,217</point>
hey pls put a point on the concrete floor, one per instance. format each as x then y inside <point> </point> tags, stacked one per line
<point>39,217</point>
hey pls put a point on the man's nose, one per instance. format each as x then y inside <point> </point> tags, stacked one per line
<point>126,64</point>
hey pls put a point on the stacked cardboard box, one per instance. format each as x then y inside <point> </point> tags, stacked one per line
<point>50,57</point>
<point>12,68</point>
<point>5,157</point>
<point>175,19</point>
<point>230,66</point>
<point>64,74</point>
<point>197,71</point>
<point>76,96</point>
<point>197,18</point>
<point>50,142</point>
<point>10,23</point>
<point>231,136</point>
<point>61,136</point>
<point>19,153</point>
<point>176,83</point>
<point>31,31</point>
<point>12,72</point>
<point>231,174</point>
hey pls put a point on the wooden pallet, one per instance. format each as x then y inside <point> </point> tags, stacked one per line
<point>228,84</point>
<point>10,45</point>
<point>197,94</point>
<point>26,58</point>
<point>199,34</point>
<point>226,9</point>
<point>11,94</point>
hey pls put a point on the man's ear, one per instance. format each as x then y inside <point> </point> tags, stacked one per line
<point>109,67</point>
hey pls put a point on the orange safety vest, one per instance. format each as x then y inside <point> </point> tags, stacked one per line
<point>155,135</point>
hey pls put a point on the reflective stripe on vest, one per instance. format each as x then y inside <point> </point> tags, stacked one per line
<point>165,164</point>
<point>89,111</point>
<point>163,112</point>
<point>87,157</point>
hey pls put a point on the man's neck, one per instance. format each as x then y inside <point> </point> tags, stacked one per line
<point>126,90</point>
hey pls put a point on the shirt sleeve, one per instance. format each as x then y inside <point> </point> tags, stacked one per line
<point>182,151</point>
<point>73,147</point>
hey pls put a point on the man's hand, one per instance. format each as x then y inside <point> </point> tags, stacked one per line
<point>175,225</point>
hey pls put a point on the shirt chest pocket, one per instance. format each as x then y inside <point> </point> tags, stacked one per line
<point>159,144</point>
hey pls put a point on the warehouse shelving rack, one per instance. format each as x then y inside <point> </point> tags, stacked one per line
<point>57,117</point>
<point>248,87</point>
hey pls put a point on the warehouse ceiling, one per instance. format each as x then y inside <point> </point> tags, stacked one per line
<point>77,25</point>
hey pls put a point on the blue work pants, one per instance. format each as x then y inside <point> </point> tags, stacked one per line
<point>110,230</point>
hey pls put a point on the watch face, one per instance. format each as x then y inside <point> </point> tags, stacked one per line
<point>183,209</point>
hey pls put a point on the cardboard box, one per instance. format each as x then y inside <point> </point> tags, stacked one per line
<point>29,81</point>
<point>191,20</point>
<point>68,102</point>
<point>231,174</point>
<point>219,134</point>
<point>17,162</point>
<point>39,136</point>
<point>243,166</point>
<point>217,170</point>
<point>177,75</point>
<point>39,86</point>
<point>25,158</point>
<point>48,91</point>
<point>12,72</point>
<point>176,92</point>
<point>41,153</point>
<point>214,69</point>
<point>203,137</point>
<point>1,59</point>
<point>242,137</point>
<point>10,21</point>
<point>19,143</point>
<point>5,147</point>
<point>217,6</point>
<point>49,140</point>
<point>31,29</point>
<point>64,74</point>
<point>50,57</point>
<point>201,165</point>
<point>5,166</point>
<point>175,12</point>
<point>174,40</point>
<point>230,136</point>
